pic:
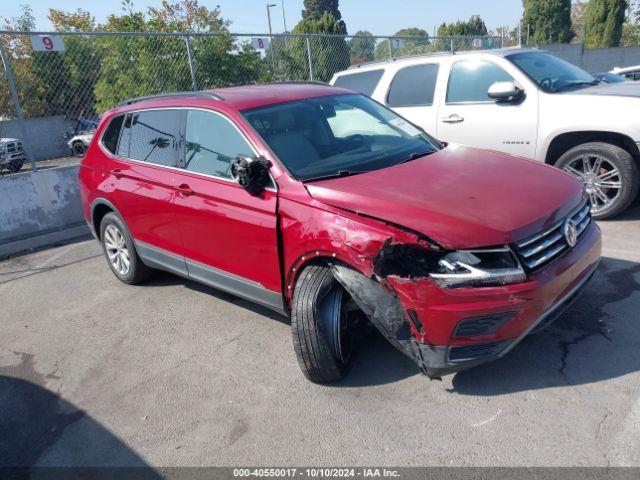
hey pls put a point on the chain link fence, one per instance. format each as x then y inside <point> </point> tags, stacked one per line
<point>55,85</point>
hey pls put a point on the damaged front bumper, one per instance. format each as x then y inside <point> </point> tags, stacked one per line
<point>424,321</point>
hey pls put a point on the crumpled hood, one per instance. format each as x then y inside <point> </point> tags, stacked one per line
<point>624,89</point>
<point>460,197</point>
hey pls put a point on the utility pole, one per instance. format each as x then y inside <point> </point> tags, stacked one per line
<point>269,5</point>
<point>284,18</point>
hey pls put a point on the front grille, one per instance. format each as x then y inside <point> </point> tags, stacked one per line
<point>539,250</point>
<point>14,147</point>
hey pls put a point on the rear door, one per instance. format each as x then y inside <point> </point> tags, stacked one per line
<point>412,94</point>
<point>229,236</point>
<point>141,183</point>
<point>468,116</point>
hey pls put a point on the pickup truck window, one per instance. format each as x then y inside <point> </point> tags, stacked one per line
<point>470,80</point>
<point>552,74</point>
<point>338,135</point>
<point>363,82</point>
<point>413,86</point>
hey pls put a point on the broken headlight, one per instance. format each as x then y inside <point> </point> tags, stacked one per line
<point>478,268</point>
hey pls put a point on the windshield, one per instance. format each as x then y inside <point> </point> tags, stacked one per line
<point>338,135</point>
<point>551,73</point>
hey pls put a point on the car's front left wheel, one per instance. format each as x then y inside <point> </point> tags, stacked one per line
<point>120,251</point>
<point>324,323</point>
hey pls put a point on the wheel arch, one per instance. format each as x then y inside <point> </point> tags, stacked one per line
<point>313,257</point>
<point>564,142</point>
<point>99,208</point>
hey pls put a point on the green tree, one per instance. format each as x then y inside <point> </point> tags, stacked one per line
<point>603,21</point>
<point>18,48</point>
<point>329,54</point>
<point>548,21</point>
<point>475,26</point>
<point>362,47</point>
<point>413,41</point>
<point>143,65</point>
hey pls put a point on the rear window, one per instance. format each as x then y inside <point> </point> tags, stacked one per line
<point>363,82</point>
<point>151,136</point>
<point>413,86</point>
<point>111,134</point>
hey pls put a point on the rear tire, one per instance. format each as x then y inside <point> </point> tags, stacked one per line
<point>120,251</point>
<point>609,173</point>
<point>324,344</point>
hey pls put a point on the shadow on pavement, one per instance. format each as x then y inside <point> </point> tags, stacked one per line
<point>596,339</point>
<point>40,432</point>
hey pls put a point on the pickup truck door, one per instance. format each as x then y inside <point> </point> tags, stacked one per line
<point>468,116</point>
<point>412,94</point>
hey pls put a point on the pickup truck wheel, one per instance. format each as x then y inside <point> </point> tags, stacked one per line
<point>15,166</point>
<point>120,251</point>
<point>324,323</point>
<point>79,149</point>
<point>609,173</point>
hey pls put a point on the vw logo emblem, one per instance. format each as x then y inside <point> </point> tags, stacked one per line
<point>570,234</point>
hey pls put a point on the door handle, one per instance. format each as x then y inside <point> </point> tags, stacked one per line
<point>453,118</point>
<point>116,172</point>
<point>185,190</point>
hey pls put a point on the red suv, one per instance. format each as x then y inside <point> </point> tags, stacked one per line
<point>324,205</point>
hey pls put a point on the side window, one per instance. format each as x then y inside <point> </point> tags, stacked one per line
<point>413,86</point>
<point>111,134</point>
<point>470,81</point>
<point>212,142</point>
<point>363,82</point>
<point>154,136</point>
<point>125,138</point>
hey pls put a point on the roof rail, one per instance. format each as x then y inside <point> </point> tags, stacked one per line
<point>407,57</point>
<point>192,94</point>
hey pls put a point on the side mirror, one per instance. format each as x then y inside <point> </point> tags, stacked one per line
<point>251,173</point>
<point>505,92</point>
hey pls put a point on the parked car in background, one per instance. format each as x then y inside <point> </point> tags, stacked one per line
<point>12,155</point>
<point>523,102</point>
<point>323,205</point>
<point>631,73</point>
<point>79,143</point>
<point>608,77</point>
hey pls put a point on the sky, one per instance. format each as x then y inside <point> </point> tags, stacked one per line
<point>380,17</point>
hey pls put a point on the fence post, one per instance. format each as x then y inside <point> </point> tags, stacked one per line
<point>309,58</point>
<point>390,49</point>
<point>16,102</point>
<point>452,51</point>
<point>194,84</point>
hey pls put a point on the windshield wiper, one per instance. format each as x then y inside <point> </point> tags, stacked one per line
<point>413,156</point>
<point>578,84</point>
<point>338,174</point>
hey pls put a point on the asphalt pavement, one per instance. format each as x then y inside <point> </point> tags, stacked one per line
<point>97,373</point>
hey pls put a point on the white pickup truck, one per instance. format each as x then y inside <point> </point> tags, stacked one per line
<point>12,155</point>
<point>525,102</point>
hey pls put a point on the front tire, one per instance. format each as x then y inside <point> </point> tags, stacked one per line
<point>609,173</point>
<point>120,251</point>
<point>15,166</point>
<point>79,149</point>
<point>323,324</point>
